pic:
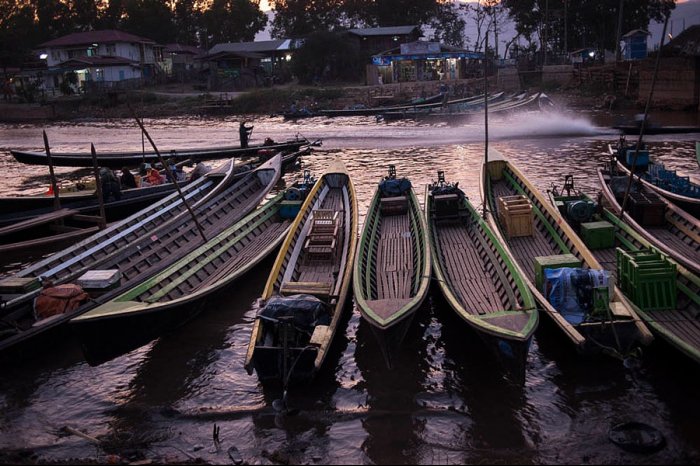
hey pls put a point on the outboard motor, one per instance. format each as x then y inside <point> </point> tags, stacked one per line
<point>580,211</point>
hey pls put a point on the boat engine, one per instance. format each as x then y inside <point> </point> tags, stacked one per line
<point>580,211</point>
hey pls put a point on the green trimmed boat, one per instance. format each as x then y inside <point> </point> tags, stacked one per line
<point>308,286</point>
<point>392,267</point>
<point>539,239</point>
<point>677,324</point>
<point>478,277</point>
<point>178,293</point>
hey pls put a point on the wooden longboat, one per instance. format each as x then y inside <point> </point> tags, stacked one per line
<point>392,267</point>
<point>456,107</point>
<point>652,129</point>
<point>15,209</point>
<point>680,326</point>
<point>436,103</point>
<point>551,235</point>
<point>478,278</point>
<point>690,204</point>
<point>677,233</point>
<point>315,261</point>
<point>139,254</point>
<point>132,159</point>
<point>178,293</point>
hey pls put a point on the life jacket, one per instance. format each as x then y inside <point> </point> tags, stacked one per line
<point>59,299</point>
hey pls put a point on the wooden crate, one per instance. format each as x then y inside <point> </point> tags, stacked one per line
<point>515,214</point>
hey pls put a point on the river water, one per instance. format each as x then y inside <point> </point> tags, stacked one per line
<point>446,401</point>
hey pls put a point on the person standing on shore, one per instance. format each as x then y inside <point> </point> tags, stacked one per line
<point>244,132</point>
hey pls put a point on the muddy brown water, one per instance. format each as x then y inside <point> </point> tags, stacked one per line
<point>446,401</point>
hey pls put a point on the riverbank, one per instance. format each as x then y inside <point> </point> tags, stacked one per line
<point>161,103</point>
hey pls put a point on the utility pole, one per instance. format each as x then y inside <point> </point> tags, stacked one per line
<point>618,36</point>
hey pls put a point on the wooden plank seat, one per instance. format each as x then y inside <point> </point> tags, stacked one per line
<point>397,205</point>
<point>322,290</point>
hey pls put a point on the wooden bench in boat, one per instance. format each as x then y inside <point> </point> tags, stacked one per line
<point>321,241</point>
<point>322,290</point>
<point>446,205</point>
<point>393,205</point>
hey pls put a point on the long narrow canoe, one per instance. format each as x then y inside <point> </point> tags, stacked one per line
<point>132,159</point>
<point>677,234</point>
<point>14,209</point>
<point>479,279</point>
<point>139,255</point>
<point>456,106</point>
<point>392,267</point>
<point>437,103</point>
<point>177,294</point>
<point>615,333</point>
<point>687,198</point>
<point>315,261</point>
<point>678,326</point>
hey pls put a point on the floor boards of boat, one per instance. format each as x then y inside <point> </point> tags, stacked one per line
<point>527,247</point>
<point>671,240</point>
<point>240,257</point>
<point>681,323</point>
<point>467,271</point>
<point>394,266</point>
<point>320,271</point>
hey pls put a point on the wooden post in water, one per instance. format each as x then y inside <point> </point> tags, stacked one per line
<point>644,120</point>
<point>52,175</point>
<point>98,187</point>
<point>486,121</point>
<point>177,185</point>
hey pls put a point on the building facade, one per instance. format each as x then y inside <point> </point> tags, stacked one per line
<point>85,61</point>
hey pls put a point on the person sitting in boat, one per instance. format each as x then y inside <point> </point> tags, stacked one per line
<point>153,178</point>
<point>244,132</point>
<point>200,169</point>
<point>127,179</point>
<point>111,189</point>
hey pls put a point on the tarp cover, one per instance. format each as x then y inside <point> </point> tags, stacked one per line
<point>58,299</point>
<point>570,291</point>
<point>393,187</point>
<point>303,311</point>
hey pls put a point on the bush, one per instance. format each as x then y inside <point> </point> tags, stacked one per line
<point>327,56</point>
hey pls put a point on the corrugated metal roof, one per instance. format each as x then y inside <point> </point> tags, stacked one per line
<point>264,46</point>
<point>186,49</point>
<point>636,31</point>
<point>97,61</point>
<point>96,37</point>
<point>384,31</point>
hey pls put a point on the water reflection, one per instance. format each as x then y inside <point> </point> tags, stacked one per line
<point>447,401</point>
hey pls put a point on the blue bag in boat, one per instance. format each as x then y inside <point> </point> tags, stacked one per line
<point>302,311</point>
<point>393,187</point>
<point>571,291</point>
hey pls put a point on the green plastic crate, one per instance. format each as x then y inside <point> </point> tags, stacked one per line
<point>598,235</point>
<point>648,278</point>
<point>553,262</point>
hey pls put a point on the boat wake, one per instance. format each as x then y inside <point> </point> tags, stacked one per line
<point>543,125</point>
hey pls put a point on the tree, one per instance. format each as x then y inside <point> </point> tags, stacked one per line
<point>394,12</point>
<point>53,19</point>
<point>187,19</point>
<point>327,56</point>
<point>299,18</point>
<point>448,23</point>
<point>563,25</point>
<point>18,33</point>
<point>233,21</point>
<point>83,14</point>
<point>152,19</point>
